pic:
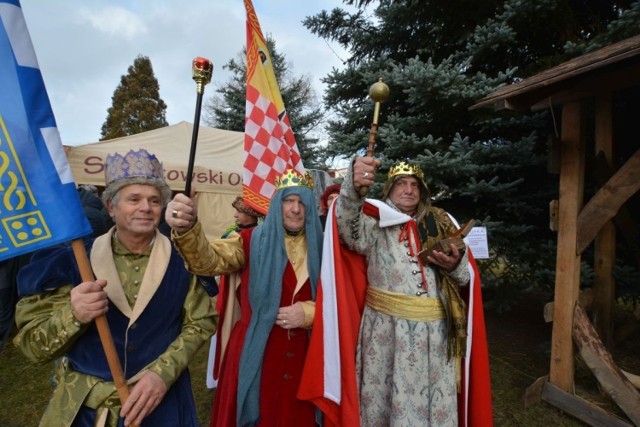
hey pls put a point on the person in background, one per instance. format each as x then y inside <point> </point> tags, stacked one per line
<point>158,314</point>
<point>9,269</point>
<point>329,195</point>
<point>245,217</point>
<point>279,266</point>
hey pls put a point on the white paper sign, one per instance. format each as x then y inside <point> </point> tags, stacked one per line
<point>477,241</point>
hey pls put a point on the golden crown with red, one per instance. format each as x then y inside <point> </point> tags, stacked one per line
<point>293,178</point>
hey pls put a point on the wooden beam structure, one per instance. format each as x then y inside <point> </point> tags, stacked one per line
<point>606,203</point>
<point>568,259</point>
<point>605,244</point>
<point>599,360</point>
<point>564,78</point>
<point>581,409</point>
<point>573,85</point>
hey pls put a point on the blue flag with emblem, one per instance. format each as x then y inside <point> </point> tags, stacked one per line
<point>39,203</point>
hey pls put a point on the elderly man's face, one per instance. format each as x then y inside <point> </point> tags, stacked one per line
<point>292,213</point>
<point>405,194</point>
<point>137,210</point>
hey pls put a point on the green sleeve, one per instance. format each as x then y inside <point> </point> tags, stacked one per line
<point>47,327</point>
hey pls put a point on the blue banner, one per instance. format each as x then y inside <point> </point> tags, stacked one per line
<point>39,203</point>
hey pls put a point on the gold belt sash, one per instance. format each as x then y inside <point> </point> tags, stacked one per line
<point>405,306</point>
<point>103,397</point>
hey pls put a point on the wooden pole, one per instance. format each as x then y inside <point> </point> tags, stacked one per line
<point>605,243</point>
<point>86,273</point>
<point>568,260</point>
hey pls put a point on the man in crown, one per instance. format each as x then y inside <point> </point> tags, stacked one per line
<point>412,332</point>
<point>157,313</point>
<point>279,266</point>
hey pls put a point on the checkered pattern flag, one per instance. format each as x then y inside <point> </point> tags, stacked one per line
<point>269,143</point>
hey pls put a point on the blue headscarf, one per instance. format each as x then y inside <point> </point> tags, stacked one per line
<point>268,260</point>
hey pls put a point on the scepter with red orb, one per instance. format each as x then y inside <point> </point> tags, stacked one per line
<point>201,69</point>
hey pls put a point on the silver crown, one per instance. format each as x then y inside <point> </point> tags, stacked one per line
<point>134,164</point>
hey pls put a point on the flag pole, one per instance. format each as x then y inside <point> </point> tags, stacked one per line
<point>86,273</point>
<point>378,92</point>
<point>202,69</point>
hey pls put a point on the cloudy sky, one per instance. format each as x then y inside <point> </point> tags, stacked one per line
<point>84,47</point>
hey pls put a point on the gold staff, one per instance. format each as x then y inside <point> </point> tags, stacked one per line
<point>378,92</point>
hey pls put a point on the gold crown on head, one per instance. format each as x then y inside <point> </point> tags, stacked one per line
<point>403,168</point>
<point>293,178</point>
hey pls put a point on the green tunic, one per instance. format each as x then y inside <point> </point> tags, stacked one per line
<point>48,329</point>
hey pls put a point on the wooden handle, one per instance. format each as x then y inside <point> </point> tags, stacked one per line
<point>86,273</point>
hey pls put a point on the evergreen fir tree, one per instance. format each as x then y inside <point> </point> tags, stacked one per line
<point>136,103</point>
<point>226,110</point>
<point>438,62</point>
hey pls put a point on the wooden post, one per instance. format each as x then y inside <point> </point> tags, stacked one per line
<point>605,242</point>
<point>568,260</point>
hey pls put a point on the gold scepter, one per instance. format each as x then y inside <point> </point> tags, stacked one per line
<point>378,92</point>
<point>202,69</point>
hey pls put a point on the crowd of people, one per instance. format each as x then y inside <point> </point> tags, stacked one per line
<point>149,288</point>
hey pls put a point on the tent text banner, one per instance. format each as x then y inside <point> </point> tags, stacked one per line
<point>217,174</point>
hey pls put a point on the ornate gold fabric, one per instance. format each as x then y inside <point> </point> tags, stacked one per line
<point>296,247</point>
<point>455,307</point>
<point>209,258</point>
<point>405,306</point>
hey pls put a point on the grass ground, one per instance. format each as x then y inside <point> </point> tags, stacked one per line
<point>519,345</point>
<point>25,388</point>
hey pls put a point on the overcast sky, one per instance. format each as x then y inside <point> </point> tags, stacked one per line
<point>84,47</point>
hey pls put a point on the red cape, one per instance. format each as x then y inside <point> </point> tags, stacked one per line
<point>332,350</point>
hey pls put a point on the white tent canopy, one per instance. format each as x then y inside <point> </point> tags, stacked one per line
<point>217,170</point>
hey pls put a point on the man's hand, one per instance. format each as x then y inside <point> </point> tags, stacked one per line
<point>290,317</point>
<point>144,397</point>
<point>89,300</point>
<point>364,170</point>
<point>181,213</point>
<point>448,262</point>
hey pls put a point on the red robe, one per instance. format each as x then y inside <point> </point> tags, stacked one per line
<point>282,364</point>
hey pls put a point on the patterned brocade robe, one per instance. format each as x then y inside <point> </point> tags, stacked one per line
<point>404,375</point>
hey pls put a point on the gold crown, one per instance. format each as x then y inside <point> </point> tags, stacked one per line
<point>403,168</point>
<point>293,178</point>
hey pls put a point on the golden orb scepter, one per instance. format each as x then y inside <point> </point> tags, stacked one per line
<point>202,69</point>
<point>378,92</point>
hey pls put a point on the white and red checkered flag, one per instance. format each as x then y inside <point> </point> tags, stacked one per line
<point>269,144</point>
